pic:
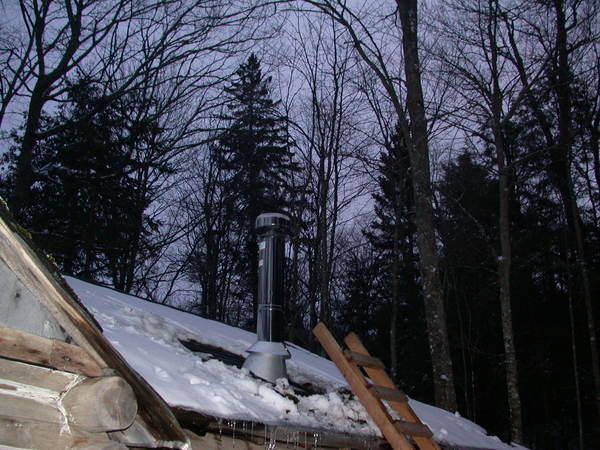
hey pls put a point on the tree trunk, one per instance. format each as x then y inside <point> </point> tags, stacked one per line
<point>395,290</point>
<point>322,241</point>
<point>504,259</point>
<point>504,264</point>
<point>560,155</point>
<point>24,175</point>
<point>443,379</point>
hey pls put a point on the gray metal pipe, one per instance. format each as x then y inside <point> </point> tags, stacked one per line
<point>267,356</point>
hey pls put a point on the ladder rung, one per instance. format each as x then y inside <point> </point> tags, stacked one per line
<point>364,360</point>
<point>413,429</point>
<point>386,393</point>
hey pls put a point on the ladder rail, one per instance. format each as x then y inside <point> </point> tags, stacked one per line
<point>381,378</point>
<point>355,378</point>
<point>372,394</point>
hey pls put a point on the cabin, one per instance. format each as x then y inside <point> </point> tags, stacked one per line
<point>62,384</point>
<point>84,366</point>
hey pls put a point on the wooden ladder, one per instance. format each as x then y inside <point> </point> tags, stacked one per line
<point>398,433</point>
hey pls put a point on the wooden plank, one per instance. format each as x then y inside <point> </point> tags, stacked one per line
<point>364,360</point>
<point>381,378</point>
<point>386,393</point>
<point>374,407</point>
<point>413,429</point>
<point>51,379</point>
<point>20,309</point>
<point>51,436</point>
<point>37,278</point>
<point>27,347</point>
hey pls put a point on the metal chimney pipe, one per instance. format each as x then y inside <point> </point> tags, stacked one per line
<point>267,356</point>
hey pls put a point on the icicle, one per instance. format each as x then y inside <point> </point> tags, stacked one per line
<point>273,438</point>
<point>233,434</point>
<point>270,447</point>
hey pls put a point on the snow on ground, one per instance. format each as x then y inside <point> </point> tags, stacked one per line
<point>148,336</point>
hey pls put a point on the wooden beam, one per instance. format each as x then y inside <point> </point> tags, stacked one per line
<point>27,347</point>
<point>101,404</point>
<point>282,435</point>
<point>382,378</point>
<point>374,407</point>
<point>43,377</point>
<point>93,405</point>
<point>24,402</point>
<point>51,436</point>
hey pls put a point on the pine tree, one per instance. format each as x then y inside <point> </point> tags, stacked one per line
<point>392,235</point>
<point>88,201</point>
<point>255,154</point>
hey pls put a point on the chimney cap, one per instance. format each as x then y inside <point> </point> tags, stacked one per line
<point>273,222</point>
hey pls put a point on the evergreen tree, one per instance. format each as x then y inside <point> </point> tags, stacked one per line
<point>89,197</point>
<point>467,223</point>
<point>392,235</point>
<point>256,157</point>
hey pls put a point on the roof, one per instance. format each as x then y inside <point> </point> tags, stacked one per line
<point>154,339</point>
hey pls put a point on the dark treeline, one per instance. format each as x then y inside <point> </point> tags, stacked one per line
<point>441,168</point>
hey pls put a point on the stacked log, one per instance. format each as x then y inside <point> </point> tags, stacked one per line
<point>46,408</point>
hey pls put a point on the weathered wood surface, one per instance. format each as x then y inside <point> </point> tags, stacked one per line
<point>20,401</point>
<point>92,404</point>
<point>51,379</point>
<point>413,429</point>
<point>286,435</point>
<point>387,393</point>
<point>153,412</point>
<point>364,360</point>
<point>20,309</point>
<point>51,436</point>
<point>28,347</point>
<point>211,441</point>
<point>381,378</point>
<point>374,407</point>
<point>101,404</point>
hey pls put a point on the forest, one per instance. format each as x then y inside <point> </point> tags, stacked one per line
<point>439,160</point>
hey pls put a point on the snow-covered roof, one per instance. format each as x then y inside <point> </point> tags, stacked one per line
<point>149,336</point>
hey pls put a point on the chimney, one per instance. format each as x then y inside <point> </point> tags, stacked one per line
<point>267,356</point>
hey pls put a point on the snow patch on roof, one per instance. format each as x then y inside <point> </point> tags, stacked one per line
<point>148,336</point>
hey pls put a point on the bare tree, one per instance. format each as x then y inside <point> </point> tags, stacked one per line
<point>562,35</point>
<point>123,43</point>
<point>488,97</point>
<point>327,137</point>
<point>368,42</point>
